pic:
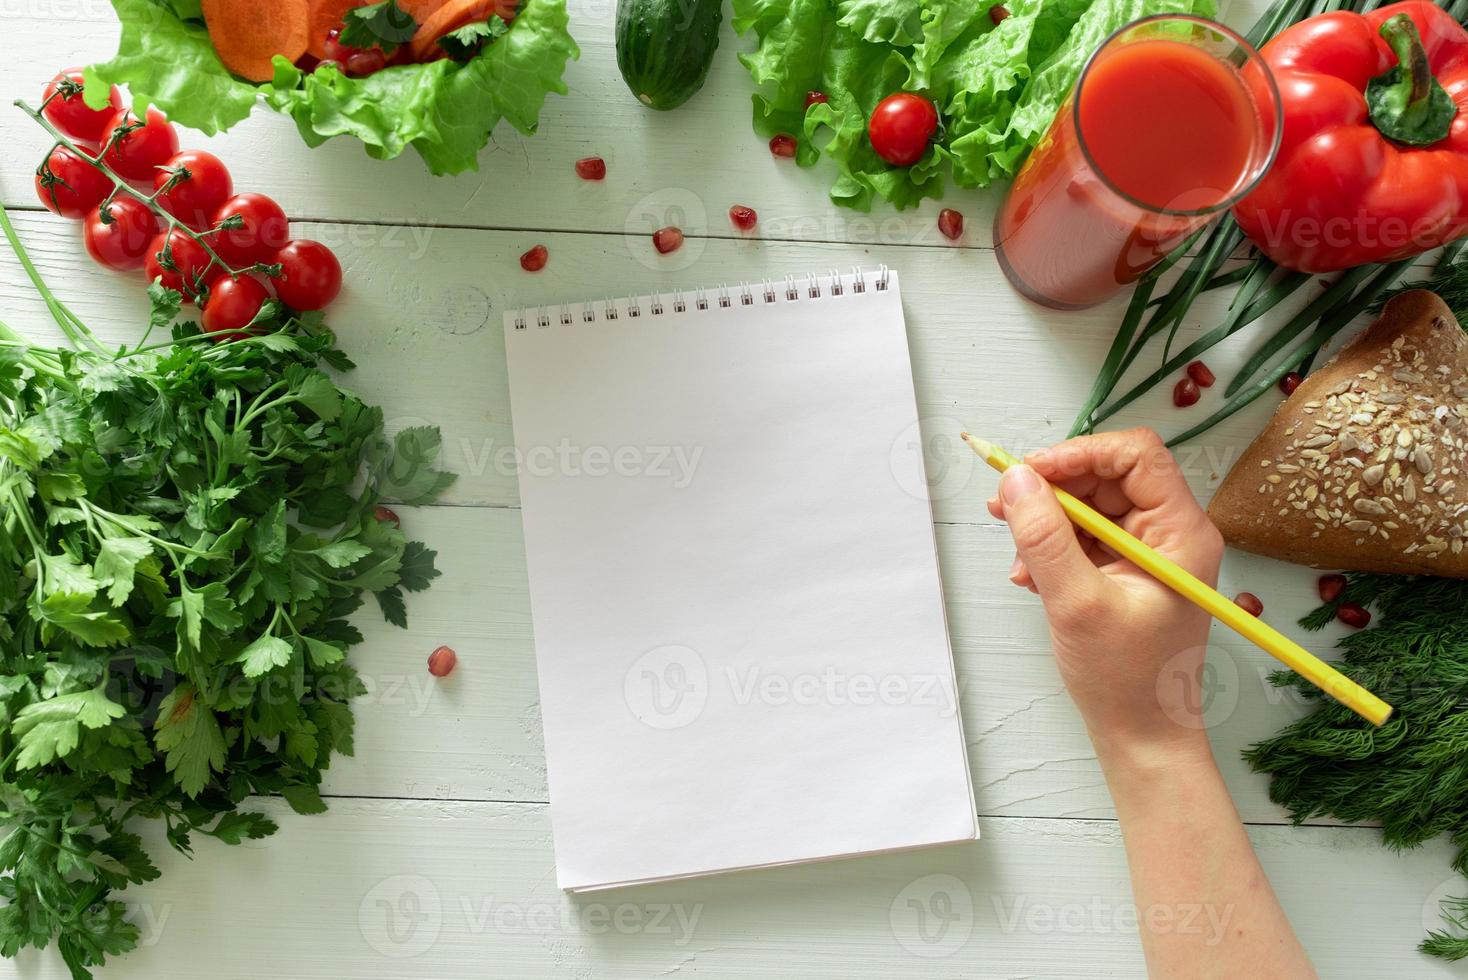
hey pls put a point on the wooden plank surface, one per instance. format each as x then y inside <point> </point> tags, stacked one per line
<point>444,806</point>
<point>422,310</point>
<point>410,890</point>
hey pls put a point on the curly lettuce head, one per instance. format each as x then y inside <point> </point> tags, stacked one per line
<point>997,81</point>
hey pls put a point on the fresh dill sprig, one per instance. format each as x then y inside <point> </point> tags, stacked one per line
<point>1411,774</point>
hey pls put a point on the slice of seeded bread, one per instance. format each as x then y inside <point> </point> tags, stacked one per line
<point>1362,468</point>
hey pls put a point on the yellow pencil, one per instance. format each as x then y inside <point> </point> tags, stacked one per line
<point>1251,628</point>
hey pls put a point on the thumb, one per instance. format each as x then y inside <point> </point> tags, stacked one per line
<point>1044,537</point>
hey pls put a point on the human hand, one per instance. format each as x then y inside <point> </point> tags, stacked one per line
<point>1129,649</point>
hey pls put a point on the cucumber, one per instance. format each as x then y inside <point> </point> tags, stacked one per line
<point>665,47</point>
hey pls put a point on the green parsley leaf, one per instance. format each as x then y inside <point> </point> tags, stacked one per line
<point>323,654</point>
<point>304,799</point>
<point>74,614</point>
<point>418,568</point>
<point>210,604</point>
<point>51,729</point>
<point>236,827</point>
<point>378,25</point>
<point>62,573</point>
<point>117,564</point>
<point>342,554</point>
<point>465,42</point>
<point>166,304</point>
<point>189,734</point>
<point>409,471</point>
<point>264,655</point>
<point>394,610</point>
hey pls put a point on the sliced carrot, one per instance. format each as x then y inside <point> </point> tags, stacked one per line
<point>325,16</point>
<point>450,17</point>
<point>420,10</point>
<point>248,33</point>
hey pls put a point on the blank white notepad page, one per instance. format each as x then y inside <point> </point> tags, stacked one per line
<point>739,629</point>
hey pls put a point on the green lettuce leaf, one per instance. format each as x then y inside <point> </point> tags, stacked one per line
<point>892,21</point>
<point>997,86</point>
<point>444,109</point>
<point>788,63</point>
<point>168,61</point>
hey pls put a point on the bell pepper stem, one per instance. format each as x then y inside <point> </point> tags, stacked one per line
<point>1406,103</point>
<point>1406,43</point>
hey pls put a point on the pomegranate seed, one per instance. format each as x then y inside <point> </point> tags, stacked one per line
<point>998,13</point>
<point>1199,372</point>
<point>783,146</point>
<point>1290,382</point>
<point>950,223</point>
<point>591,168</point>
<point>387,514</point>
<point>742,217</point>
<point>535,259</point>
<point>441,661</point>
<point>1331,587</point>
<point>1249,603</point>
<point>1354,616</point>
<point>1186,393</point>
<point>816,98</point>
<point>667,240</point>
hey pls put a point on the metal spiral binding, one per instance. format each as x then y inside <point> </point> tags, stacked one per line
<point>816,286</point>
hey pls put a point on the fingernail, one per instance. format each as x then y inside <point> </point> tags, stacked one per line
<point>1015,569</point>
<point>1018,483</point>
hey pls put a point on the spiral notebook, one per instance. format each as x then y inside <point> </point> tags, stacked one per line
<point>739,627</point>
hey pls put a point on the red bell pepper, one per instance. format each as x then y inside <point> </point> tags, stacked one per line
<point>1373,162</point>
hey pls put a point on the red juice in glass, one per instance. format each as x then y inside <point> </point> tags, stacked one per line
<point>1173,120</point>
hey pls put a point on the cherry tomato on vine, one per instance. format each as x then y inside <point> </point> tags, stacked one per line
<point>68,113</point>
<point>120,241</point>
<point>70,185</point>
<point>310,275</point>
<point>141,149</point>
<point>204,184</point>
<point>231,305</point>
<point>901,126</point>
<point>265,230</point>
<point>191,269</point>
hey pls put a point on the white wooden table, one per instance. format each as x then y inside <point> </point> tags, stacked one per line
<point>435,858</point>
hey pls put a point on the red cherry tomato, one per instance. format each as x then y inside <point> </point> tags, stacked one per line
<point>310,275</point>
<point>121,242</point>
<point>901,126</point>
<point>265,230</point>
<point>70,185</point>
<point>68,113</point>
<point>231,305</point>
<point>191,272</point>
<point>141,149</point>
<point>204,184</point>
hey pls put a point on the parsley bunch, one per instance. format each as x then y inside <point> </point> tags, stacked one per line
<point>1411,774</point>
<point>185,532</point>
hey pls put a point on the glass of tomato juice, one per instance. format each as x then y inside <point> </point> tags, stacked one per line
<point>1174,119</point>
